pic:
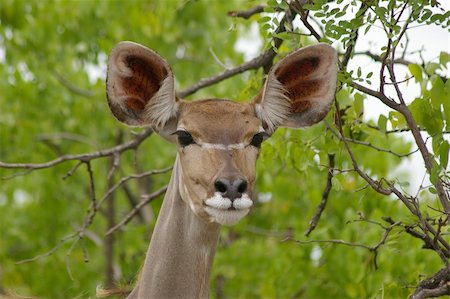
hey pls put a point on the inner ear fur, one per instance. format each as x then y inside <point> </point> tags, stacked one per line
<point>140,86</point>
<point>299,89</point>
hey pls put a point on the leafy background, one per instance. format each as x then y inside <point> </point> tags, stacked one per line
<point>53,103</point>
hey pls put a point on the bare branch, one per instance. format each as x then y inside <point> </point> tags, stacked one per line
<point>374,184</point>
<point>145,200</point>
<point>92,187</point>
<point>373,248</point>
<point>378,58</point>
<point>246,14</point>
<point>326,192</point>
<point>262,60</point>
<point>51,251</point>
<point>379,95</point>
<point>255,63</point>
<point>304,18</point>
<point>72,170</point>
<point>123,180</point>
<point>434,286</point>
<point>84,157</point>
<point>71,87</point>
<point>368,144</point>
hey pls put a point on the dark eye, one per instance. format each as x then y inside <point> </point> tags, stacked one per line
<point>257,139</point>
<point>184,138</point>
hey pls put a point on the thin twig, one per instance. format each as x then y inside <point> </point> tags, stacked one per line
<point>134,211</point>
<point>51,251</point>
<point>246,14</point>
<point>84,157</point>
<point>123,180</point>
<point>373,249</point>
<point>368,144</point>
<point>92,187</point>
<point>71,87</point>
<point>72,170</point>
<point>323,202</point>
<point>304,18</point>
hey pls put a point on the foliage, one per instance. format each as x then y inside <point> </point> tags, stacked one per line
<point>375,239</point>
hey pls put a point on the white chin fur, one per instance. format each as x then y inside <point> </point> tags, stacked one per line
<point>218,208</point>
<point>226,217</point>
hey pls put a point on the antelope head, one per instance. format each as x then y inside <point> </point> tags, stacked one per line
<point>219,141</point>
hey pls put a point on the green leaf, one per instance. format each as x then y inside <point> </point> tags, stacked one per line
<point>436,142</point>
<point>434,175</point>
<point>443,154</point>
<point>444,58</point>
<point>416,71</point>
<point>446,105</point>
<point>382,122</point>
<point>432,67</point>
<point>438,92</point>
<point>264,19</point>
<point>426,15</point>
<point>404,184</point>
<point>343,97</point>
<point>337,185</point>
<point>426,116</point>
<point>359,104</point>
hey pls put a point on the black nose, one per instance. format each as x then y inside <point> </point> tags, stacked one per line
<point>231,189</point>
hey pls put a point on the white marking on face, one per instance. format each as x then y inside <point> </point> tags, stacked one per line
<point>220,146</point>
<point>242,203</point>
<point>223,147</point>
<point>226,217</point>
<point>218,207</point>
<point>218,202</point>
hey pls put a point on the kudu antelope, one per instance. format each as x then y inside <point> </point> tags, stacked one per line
<point>218,143</point>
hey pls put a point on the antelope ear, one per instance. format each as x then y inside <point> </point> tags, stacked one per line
<point>299,89</point>
<point>140,86</point>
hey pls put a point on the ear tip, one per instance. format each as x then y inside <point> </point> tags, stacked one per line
<point>327,49</point>
<point>130,47</point>
<point>128,44</point>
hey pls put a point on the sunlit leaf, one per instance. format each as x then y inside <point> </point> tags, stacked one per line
<point>416,71</point>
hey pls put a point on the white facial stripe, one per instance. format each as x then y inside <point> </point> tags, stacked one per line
<point>220,146</point>
<point>223,147</point>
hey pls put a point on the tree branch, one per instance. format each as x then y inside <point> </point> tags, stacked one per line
<point>71,87</point>
<point>262,60</point>
<point>246,14</point>
<point>434,286</point>
<point>326,192</point>
<point>133,144</point>
<point>373,249</point>
<point>145,200</point>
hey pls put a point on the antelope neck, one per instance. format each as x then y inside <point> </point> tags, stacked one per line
<point>181,251</point>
